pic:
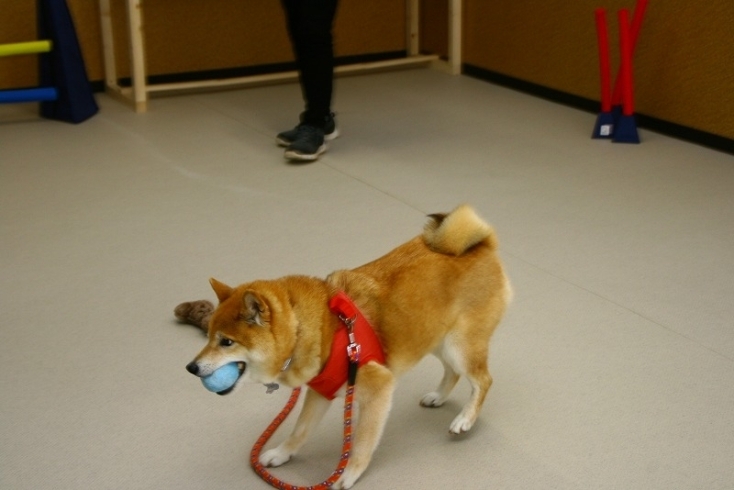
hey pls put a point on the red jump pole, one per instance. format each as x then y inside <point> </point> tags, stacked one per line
<point>637,18</point>
<point>604,127</point>
<point>626,128</point>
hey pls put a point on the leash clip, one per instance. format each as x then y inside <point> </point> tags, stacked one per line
<point>353,349</point>
<point>348,322</point>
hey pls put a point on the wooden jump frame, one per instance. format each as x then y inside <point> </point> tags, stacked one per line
<point>138,94</point>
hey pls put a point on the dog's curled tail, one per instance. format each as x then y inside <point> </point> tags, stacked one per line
<point>458,231</point>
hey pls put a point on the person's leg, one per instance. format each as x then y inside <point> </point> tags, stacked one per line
<point>317,58</point>
<point>310,25</point>
<point>292,10</point>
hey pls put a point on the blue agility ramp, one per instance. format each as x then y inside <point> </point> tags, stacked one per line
<point>63,67</point>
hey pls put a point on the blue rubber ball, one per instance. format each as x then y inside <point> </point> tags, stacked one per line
<point>223,378</point>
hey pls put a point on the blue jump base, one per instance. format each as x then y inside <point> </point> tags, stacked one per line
<point>626,130</point>
<point>604,127</point>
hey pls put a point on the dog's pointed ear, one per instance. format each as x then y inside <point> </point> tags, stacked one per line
<point>255,310</point>
<point>222,290</point>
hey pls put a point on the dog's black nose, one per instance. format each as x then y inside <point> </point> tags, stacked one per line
<point>192,367</point>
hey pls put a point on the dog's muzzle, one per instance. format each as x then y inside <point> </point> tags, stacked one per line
<point>193,368</point>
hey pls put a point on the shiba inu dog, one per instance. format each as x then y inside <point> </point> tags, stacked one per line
<point>441,293</point>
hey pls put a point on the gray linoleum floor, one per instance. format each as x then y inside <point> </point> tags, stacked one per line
<point>614,368</point>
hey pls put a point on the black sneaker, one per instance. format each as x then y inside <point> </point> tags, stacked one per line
<point>308,145</point>
<point>286,138</point>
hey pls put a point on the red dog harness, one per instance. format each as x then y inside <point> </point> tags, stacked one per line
<point>339,369</point>
<point>335,372</point>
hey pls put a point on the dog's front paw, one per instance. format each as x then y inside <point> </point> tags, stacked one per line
<point>275,457</point>
<point>432,400</point>
<point>461,424</point>
<point>347,480</point>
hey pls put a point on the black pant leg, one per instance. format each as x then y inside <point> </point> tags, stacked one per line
<point>310,24</point>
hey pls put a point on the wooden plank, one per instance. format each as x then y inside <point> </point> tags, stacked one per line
<point>137,54</point>
<point>287,77</point>
<point>455,36</point>
<point>108,43</point>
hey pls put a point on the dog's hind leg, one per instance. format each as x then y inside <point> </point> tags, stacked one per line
<point>470,360</point>
<point>314,409</point>
<point>449,380</point>
<point>373,393</point>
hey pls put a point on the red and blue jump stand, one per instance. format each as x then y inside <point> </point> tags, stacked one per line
<point>625,128</point>
<point>616,119</point>
<point>64,92</point>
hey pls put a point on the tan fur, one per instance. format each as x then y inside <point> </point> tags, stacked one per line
<point>443,292</point>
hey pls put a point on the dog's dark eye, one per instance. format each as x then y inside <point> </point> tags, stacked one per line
<point>226,342</point>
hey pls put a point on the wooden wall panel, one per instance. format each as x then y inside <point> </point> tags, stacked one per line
<point>684,64</point>
<point>434,27</point>
<point>18,24</point>
<point>196,35</point>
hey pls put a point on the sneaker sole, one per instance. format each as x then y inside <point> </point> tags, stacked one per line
<point>304,157</point>
<point>327,137</point>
